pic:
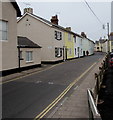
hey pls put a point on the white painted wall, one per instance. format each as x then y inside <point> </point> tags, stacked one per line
<point>78,47</point>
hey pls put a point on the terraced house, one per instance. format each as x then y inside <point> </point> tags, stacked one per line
<point>69,43</point>
<point>47,34</point>
<point>8,34</point>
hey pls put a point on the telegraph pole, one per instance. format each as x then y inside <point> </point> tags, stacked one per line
<point>108,37</point>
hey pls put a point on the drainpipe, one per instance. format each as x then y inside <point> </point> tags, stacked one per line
<point>19,58</point>
<point>64,51</point>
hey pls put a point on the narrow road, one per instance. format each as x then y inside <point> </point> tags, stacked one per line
<point>28,96</point>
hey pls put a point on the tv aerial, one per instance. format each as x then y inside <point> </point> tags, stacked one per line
<point>27,4</point>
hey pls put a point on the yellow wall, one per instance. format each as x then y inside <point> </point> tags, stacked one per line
<point>69,43</point>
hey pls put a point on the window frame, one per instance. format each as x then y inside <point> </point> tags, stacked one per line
<point>58,52</point>
<point>4,30</point>
<point>29,57</point>
<point>69,36</point>
<point>58,35</point>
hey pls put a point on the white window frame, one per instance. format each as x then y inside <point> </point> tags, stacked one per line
<point>29,56</point>
<point>3,31</point>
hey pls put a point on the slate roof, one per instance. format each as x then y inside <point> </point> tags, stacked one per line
<point>24,42</point>
<point>53,25</point>
<point>50,23</point>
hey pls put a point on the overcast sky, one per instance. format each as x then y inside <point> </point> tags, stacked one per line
<point>76,15</point>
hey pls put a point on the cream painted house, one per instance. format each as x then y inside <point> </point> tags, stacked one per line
<point>48,35</point>
<point>8,34</point>
<point>101,45</point>
<point>29,53</point>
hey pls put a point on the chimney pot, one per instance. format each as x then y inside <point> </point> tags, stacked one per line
<point>28,10</point>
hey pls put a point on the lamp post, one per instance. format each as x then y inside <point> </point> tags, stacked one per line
<point>108,37</point>
<point>108,45</point>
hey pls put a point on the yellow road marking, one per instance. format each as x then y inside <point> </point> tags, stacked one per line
<point>50,106</point>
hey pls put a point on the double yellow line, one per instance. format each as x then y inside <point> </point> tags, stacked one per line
<point>49,107</point>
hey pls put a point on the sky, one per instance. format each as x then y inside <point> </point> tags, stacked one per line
<point>74,14</point>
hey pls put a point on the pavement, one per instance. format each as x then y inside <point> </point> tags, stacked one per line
<point>76,106</point>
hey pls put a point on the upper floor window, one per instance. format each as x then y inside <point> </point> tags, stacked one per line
<point>3,30</point>
<point>74,39</point>
<point>69,36</point>
<point>58,35</point>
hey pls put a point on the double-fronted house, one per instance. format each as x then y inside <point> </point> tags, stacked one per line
<point>47,34</point>
<point>8,36</point>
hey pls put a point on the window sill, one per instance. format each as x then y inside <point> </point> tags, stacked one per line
<point>3,40</point>
<point>29,62</point>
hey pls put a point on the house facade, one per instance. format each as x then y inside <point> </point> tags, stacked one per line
<point>69,43</point>
<point>111,42</point>
<point>101,45</point>
<point>8,33</point>
<point>49,35</point>
<point>87,45</point>
<point>78,46</point>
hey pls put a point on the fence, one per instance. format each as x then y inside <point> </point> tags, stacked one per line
<point>93,94</point>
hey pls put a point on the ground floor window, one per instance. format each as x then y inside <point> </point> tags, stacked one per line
<point>58,52</point>
<point>70,51</point>
<point>112,43</point>
<point>75,51</point>
<point>29,56</point>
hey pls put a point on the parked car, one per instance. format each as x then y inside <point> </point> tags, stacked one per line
<point>111,54</point>
<point>111,62</point>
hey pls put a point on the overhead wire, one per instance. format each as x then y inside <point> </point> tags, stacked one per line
<point>93,12</point>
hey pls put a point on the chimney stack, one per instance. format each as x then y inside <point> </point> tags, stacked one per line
<point>28,10</point>
<point>54,19</point>
<point>68,28</point>
<point>83,34</point>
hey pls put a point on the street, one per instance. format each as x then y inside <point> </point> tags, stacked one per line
<point>30,95</point>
